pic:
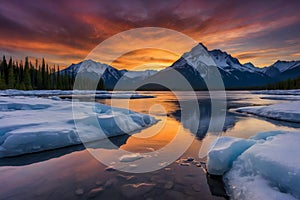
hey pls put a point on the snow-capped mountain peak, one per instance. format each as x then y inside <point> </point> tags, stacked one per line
<point>138,74</point>
<point>198,56</point>
<point>228,63</point>
<point>88,66</point>
<point>283,66</point>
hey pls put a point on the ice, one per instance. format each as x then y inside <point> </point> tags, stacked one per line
<point>33,124</point>
<point>277,92</point>
<point>282,97</point>
<point>253,187</point>
<point>223,152</point>
<point>289,111</point>
<point>265,135</point>
<point>131,157</point>
<point>269,169</point>
<point>99,94</point>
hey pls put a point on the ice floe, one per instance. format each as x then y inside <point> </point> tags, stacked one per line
<point>267,166</point>
<point>33,124</point>
<point>289,111</point>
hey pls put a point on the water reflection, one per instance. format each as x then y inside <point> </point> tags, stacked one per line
<point>216,186</point>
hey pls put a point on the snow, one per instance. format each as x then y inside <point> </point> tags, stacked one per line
<point>253,187</point>
<point>228,63</point>
<point>269,169</point>
<point>88,66</point>
<point>265,135</point>
<point>198,56</point>
<point>282,97</point>
<point>99,94</point>
<point>283,66</point>
<point>289,111</point>
<point>277,92</point>
<point>33,124</point>
<point>101,69</point>
<point>250,66</point>
<point>139,74</point>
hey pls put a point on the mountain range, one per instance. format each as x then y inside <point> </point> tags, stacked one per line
<point>195,66</point>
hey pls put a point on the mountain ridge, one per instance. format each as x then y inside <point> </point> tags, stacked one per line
<point>233,73</point>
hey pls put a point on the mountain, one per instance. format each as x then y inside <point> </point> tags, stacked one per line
<point>196,66</point>
<point>282,70</point>
<point>234,74</point>
<point>94,70</point>
<point>284,66</point>
<point>138,75</point>
<point>110,75</point>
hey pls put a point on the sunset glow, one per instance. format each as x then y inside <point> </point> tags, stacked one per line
<point>65,32</point>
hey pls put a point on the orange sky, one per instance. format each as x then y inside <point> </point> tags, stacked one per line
<point>64,32</point>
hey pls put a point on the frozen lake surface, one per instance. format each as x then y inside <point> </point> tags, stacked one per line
<point>72,173</point>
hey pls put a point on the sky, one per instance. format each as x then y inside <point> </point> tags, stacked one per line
<point>65,32</point>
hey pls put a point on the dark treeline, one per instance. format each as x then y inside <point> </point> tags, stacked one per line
<point>27,76</point>
<point>285,85</point>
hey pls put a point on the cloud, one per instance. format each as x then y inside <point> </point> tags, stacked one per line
<point>146,57</point>
<point>66,31</point>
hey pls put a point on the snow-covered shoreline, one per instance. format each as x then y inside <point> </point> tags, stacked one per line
<point>277,92</point>
<point>98,94</point>
<point>289,111</point>
<point>33,124</point>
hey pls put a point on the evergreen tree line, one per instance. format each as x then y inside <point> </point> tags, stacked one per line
<point>285,85</point>
<point>28,76</point>
<point>38,76</point>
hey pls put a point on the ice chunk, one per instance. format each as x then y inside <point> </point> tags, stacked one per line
<point>265,135</point>
<point>223,152</point>
<point>32,124</point>
<point>284,111</point>
<point>268,170</point>
<point>267,167</point>
<point>131,157</point>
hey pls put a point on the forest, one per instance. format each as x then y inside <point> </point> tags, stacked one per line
<point>285,85</point>
<point>39,76</point>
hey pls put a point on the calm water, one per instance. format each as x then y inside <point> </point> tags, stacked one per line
<point>72,173</point>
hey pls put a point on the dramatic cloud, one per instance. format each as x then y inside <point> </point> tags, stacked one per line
<point>65,31</point>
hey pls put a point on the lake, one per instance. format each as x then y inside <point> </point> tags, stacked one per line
<point>73,173</point>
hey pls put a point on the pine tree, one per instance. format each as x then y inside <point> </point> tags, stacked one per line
<point>43,86</point>
<point>11,81</point>
<point>39,80</point>
<point>32,74</point>
<point>58,79</point>
<point>47,78</point>
<point>4,71</point>
<point>26,76</point>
